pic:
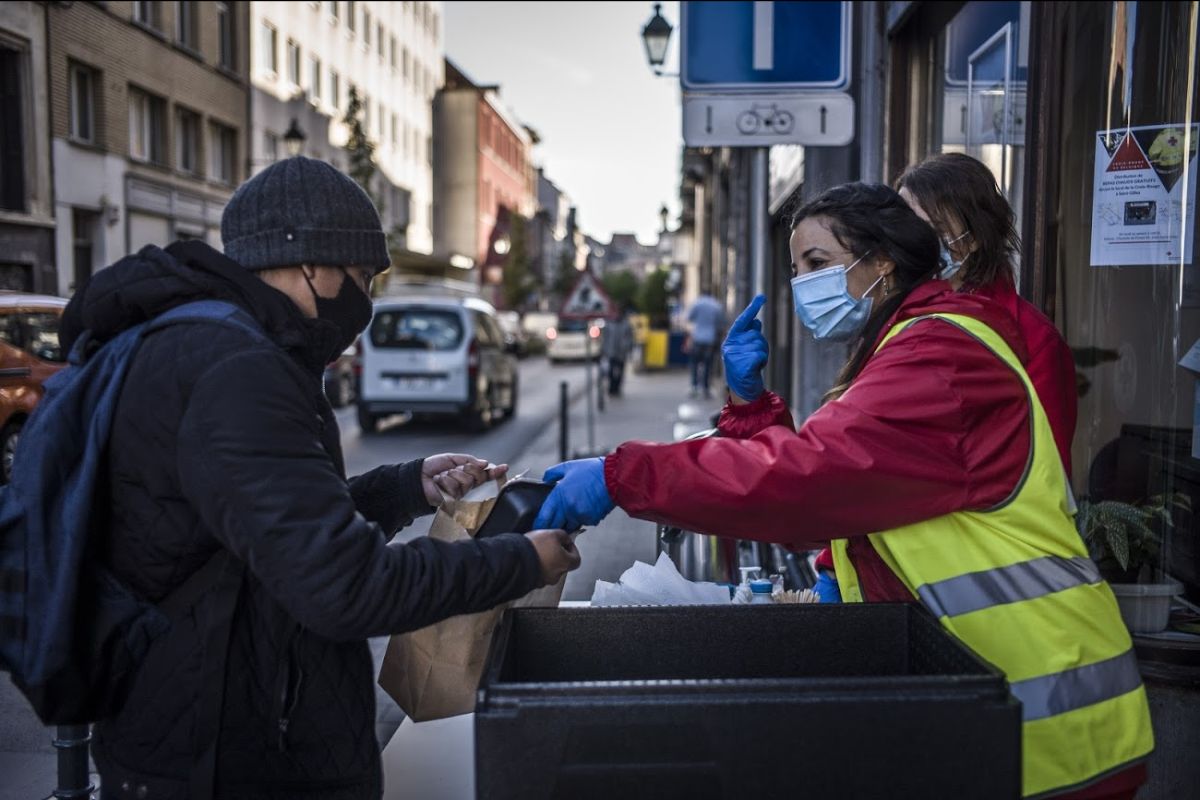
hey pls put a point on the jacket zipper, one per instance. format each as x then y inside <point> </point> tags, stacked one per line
<point>289,695</point>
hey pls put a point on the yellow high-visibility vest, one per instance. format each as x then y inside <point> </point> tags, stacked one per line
<point>1016,585</point>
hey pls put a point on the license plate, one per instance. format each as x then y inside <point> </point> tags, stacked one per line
<point>414,384</point>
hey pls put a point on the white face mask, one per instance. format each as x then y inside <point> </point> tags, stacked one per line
<point>951,267</point>
<point>826,307</point>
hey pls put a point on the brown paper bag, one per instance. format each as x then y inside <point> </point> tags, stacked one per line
<point>433,673</point>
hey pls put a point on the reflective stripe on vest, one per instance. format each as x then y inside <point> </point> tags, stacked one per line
<point>1026,580</point>
<point>1015,584</point>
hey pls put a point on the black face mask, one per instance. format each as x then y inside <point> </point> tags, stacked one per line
<point>350,311</point>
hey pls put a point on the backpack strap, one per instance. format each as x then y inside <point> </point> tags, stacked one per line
<point>219,311</point>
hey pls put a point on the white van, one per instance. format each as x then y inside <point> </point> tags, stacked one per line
<point>439,355</point>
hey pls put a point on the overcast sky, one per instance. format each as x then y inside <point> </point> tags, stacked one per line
<point>576,72</point>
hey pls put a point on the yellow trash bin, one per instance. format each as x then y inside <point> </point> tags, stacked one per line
<point>655,352</point>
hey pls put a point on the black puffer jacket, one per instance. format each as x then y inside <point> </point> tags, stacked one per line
<point>223,442</point>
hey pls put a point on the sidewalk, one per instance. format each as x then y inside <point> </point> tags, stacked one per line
<point>654,407</point>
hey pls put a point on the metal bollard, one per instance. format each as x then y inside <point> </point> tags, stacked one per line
<point>563,420</point>
<point>71,742</point>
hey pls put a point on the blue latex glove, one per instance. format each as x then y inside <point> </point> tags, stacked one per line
<point>579,498</point>
<point>827,588</point>
<point>745,352</point>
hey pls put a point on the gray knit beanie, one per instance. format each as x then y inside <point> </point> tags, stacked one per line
<point>303,211</point>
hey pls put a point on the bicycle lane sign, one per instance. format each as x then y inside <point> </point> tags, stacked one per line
<point>755,74</point>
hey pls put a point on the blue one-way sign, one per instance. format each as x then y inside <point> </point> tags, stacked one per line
<point>765,46</point>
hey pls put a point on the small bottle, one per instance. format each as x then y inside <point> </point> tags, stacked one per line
<point>760,592</point>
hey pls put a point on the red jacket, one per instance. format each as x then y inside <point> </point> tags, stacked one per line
<point>934,423</point>
<point>1050,364</point>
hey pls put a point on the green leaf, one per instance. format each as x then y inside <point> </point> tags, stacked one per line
<point>1118,545</point>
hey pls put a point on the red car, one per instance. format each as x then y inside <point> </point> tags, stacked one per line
<point>29,354</point>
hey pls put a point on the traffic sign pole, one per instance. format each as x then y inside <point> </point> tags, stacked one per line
<point>759,232</point>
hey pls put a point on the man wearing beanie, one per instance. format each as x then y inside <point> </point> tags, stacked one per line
<point>225,472</point>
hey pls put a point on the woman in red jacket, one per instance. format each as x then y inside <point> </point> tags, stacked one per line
<point>958,196</point>
<point>924,465</point>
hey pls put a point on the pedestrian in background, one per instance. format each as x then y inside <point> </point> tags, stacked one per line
<point>706,319</point>
<point>615,347</point>
<point>224,451</point>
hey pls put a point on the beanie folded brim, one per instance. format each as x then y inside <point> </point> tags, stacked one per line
<point>325,247</point>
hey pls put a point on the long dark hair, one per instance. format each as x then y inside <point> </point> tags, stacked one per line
<point>873,218</point>
<point>954,184</point>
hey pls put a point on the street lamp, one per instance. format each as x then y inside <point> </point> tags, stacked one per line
<point>656,35</point>
<point>664,214</point>
<point>293,138</point>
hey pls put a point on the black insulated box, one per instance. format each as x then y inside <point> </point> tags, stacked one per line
<point>821,701</point>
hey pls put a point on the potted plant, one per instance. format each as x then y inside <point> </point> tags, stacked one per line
<point>1124,540</point>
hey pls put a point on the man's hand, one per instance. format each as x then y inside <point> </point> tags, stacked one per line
<point>451,475</point>
<point>557,553</point>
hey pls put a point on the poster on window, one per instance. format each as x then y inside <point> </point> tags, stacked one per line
<point>1140,214</point>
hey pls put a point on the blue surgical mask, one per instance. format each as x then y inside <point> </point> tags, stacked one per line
<point>951,267</point>
<point>825,305</point>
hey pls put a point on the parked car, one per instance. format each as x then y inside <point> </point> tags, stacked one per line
<point>29,354</point>
<point>434,355</point>
<point>573,340</point>
<point>515,337</point>
<point>341,380</point>
<point>537,324</point>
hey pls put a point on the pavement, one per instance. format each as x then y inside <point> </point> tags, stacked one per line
<point>654,407</point>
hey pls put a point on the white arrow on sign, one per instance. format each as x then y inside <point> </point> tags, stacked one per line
<point>764,35</point>
<point>722,120</point>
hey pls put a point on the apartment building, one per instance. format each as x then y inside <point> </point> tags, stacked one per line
<point>306,58</point>
<point>148,105</point>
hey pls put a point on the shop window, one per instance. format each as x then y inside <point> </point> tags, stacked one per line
<point>1121,265</point>
<point>983,97</point>
<point>16,278</point>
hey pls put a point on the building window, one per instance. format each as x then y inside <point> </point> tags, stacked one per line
<point>293,62</point>
<point>187,141</point>
<point>270,48</point>
<point>434,25</point>
<point>147,127</point>
<point>185,24</point>
<point>226,38</point>
<point>429,150</point>
<point>270,146</point>
<point>83,103</point>
<point>351,16</point>
<point>395,130</point>
<point>366,105</point>
<point>335,10</point>
<point>83,228</point>
<point>148,14</point>
<point>222,164</point>
<point>367,28</point>
<point>380,41</point>
<point>335,89</point>
<point>12,130</point>
<point>314,77</point>
<point>407,64</point>
<point>392,53</point>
